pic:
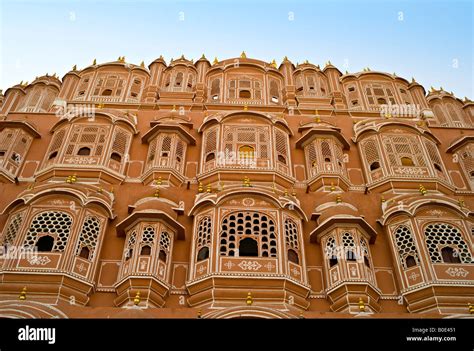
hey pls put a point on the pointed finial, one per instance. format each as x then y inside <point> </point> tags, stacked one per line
<point>215,62</point>
<point>142,64</point>
<point>346,72</point>
<point>136,299</point>
<point>329,63</point>
<point>285,58</point>
<point>182,57</point>
<point>318,67</point>
<point>306,61</point>
<point>361,305</point>
<point>203,57</point>
<point>243,55</point>
<point>394,74</point>
<point>432,89</point>
<point>413,80</point>
<point>94,62</point>
<point>273,63</point>
<point>74,68</point>
<point>22,296</point>
<point>249,299</point>
<point>21,83</point>
<point>441,89</point>
<point>246,107</point>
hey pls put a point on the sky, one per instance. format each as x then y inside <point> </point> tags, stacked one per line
<point>429,40</point>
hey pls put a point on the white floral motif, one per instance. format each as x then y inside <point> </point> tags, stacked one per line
<point>457,272</point>
<point>413,276</point>
<point>39,260</point>
<point>250,265</point>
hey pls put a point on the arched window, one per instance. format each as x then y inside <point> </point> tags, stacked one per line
<point>179,79</point>
<point>45,243</point>
<point>165,244</point>
<point>291,240</point>
<point>246,151</point>
<point>326,151</point>
<point>442,234</point>
<point>215,89</point>
<point>349,246</point>
<point>88,237</point>
<point>116,157</point>
<point>210,156</point>
<point>406,161</point>
<point>203,238</point>
<point>374,165</point>
<point>406,249</point>
<point>274,92</point>
<point>12,230</point>
<point>245,94</point>
<point>162,256</point>
<point>330,251</point>
<point>107,92</point>
<point>253,225</point>
<point>248,247</point>
<point>56,223</point>
<point>53,155</point>
<point>85,253</point>
<point>84,151</point>
<point>145,251</point>
<point>148,240</point>
<point>128,253</point>
<point>450,255</point>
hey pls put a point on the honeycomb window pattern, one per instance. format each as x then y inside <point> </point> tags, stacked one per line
<point>291,234</point>
<point>58,224</point>
<point>165,241</point>
<point>405,245</point>
<point>89,234</point>
<point>439,235</point>
<point>248,224</point>
<point>204,232</point>
<point>148,236</point>
<point>12,230</point>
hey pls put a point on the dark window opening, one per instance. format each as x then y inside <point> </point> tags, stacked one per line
<point>327,159</point>
<point>332,261</point>
<point>351,256</point>
<point>45,243</point>
<point>107,92</point>
<point>203,253</point>
<point>2,153</point>
<point>215,97</point>
<point>374,165</point>
<point>81,93</point>
<point>299,90</point>
<point>85,252</point>
<point>355,102</point>
<point>133,94</point>
<point>410,261</point>
<point>381,101</point>
<point>293,256</point>
<point>437,167</point>
<point>274,99</point>
<point>164,154</point>
<point>248,248</point>
<point>450,255</point>
<point>162,256</point>
<point>471,174</point>
<point>244,94</point>
<point>146,250</point>
<point>281,159</point>
<point>116,157</point>
<point>351,89</point>
<point>210,157</point>
<point>366,261</point>
<point>407,162</point>
<point>129,255</point>
<point>84,151</point>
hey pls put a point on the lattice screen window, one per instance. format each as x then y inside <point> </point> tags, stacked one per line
<point>52,224</point>
<point>466,158</point>
<point>210,148</point>
<point>349,246</point>
<point>165,246</point>
<point>88,238</point>
<point>11,232</point>
<point>274,91</point>
<point>371,154</point>
<point>215,90</point>
<point>248,234</point>
<point>281,146</point>
<point>379,94</point>
<point>255,139</point>
<point>407,252</point>
<point>441,115</point>
<point>455,114</point>
<point>180,80</point>
<point>14,144</point>
<point>132,238</point>
<point>245,88</point>
<point>204,230</point>
<point>83,86</point>
<point>310,84</point>
<point>167,150</point>
<point>148,240</point>
<point>291,240</point>
<point>119,149</point>
<point>56,144</point>
<point>331,251</point>
<point>87,140</point>
<point>324,156</point>
<point>439,236</point>
<point>136,88</point>
<point>405,94</point>
<point>435,158</point>
<point>38,99</point>
<point>404,150</point>
<point>109,85</point>
<point>365,252</point>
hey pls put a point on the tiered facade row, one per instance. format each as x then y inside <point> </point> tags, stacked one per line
<point>234,188</point>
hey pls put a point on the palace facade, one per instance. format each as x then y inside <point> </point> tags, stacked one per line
<point>237,188</point>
